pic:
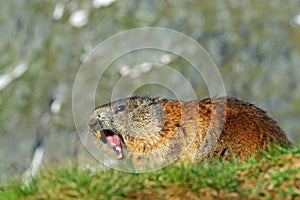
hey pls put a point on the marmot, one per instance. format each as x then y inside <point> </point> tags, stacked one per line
<point>166,130</point>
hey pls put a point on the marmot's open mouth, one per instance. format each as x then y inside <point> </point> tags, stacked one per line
<point>111,139</point>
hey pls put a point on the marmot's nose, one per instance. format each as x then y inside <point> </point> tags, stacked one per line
<point>93,123</point>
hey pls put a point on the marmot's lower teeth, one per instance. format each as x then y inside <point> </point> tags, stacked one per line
<point>119,151</point>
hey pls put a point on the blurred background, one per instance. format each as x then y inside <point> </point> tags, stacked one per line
<point>255,44</point>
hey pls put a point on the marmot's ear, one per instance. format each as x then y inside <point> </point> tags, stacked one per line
<point>157,114</point>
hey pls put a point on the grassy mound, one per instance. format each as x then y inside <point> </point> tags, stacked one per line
<point>275,176</point>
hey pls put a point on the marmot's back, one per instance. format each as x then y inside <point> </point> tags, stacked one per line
<point>246,129</point>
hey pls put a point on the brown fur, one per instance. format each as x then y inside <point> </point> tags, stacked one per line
<point>166,130</point>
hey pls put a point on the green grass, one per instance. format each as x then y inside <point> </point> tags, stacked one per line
<point>275,175</point>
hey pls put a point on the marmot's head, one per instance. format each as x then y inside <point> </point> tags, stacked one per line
<point>130,124</point>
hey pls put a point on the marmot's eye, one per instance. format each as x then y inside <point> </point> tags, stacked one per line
<point>121,108</point>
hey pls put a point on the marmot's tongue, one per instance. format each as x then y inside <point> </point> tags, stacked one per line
<point>113,140</point>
